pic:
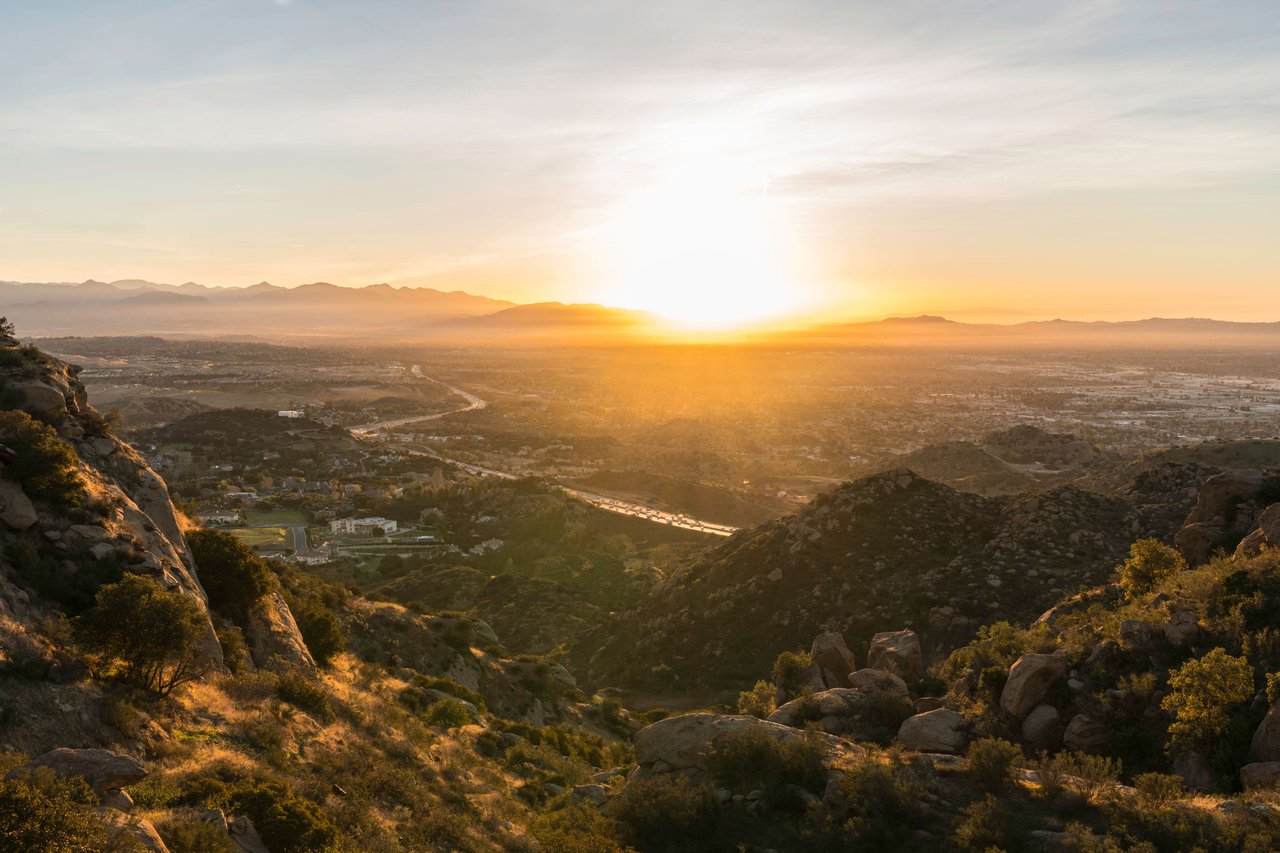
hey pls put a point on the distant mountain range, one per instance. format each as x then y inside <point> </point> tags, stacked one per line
<point>323,311</point>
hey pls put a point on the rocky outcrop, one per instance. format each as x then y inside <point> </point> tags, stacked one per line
<point>897,652</point>
<point>1087,733</point>
<point>16,510</point>
<point>1225,506</point>
<point>1261,775</point>
<point>872,700</point>
<point>681,743</point>
<point>1265,745</point>
<point>1042,729</point>
<point>833,659</point>
<point>941,731</point>
<point>273,635</point>
<point>1030,678</point>
<point>107,773</point>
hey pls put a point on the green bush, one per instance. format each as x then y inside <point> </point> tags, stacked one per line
<point>1159,789</point>
<point>46,466</point>
<point>72,588</point>
<point>1203,693</point>
<point>197,836</point>
<point>991,763</point>
<point>145,632</point>
<point>416,698</point>
<point>447,714</point>
<point>753,759</point>
<point>879,806</point>
<point>985,826</point>
<point>789,673</point>
<point>319,628</point>
<point>40,812</point>
<point>577,828</point>
<point>303,691</point>
<point>230,572</point>
<point>664,813</point>
<point>287,823</point>
<point>1150,563</point>
<point>758,701</point>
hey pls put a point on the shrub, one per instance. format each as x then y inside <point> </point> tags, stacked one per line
<point>40,812</point>
<point>447,714</point>
<point>230,572</point>
<point>1094,775</point>
<point>235,653</point>
<point>416,698</point>
<point>302,691</point>
<point>197,836</point>
<point>985,826</point>
<point>1159,789</point>
<point>1203,693</point>
<point>577,828</point>
<point>753,759</point>
<point>880,806</point>
<point>789,672</point>
<point>991,762</point>
<point>758,701</point>
<point>45,465</point>
<point>319,628</point>
<point>665,813</point>
<point>1150,563</point>
<point>148,633</point>
<point>286,822</point>
<point>72,588</point>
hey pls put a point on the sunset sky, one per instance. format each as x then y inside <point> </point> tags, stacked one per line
<point>1088,159</point>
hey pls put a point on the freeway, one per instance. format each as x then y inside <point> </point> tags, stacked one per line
<point>604,502</point>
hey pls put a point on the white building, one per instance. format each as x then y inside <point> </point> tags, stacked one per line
<point>364,526</point>
<point>290,413</point>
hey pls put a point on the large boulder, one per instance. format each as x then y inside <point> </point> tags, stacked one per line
<point>1183,628</point>
<point>897,652</point>
<point>16,509</point>
<point>1194,770</point>
<point>1042,729</point>
<point>833,659</point>
<point>104,771</point>
<point>1216,512</point>
<point>1260,775</point>
<point>880,683</point>
<point>273,635</point>
<point>131,833</point>
<point>942,731</point>
<point>1086,733</point>
<point>245,836</point>
<point>42,400</point>
<point>681,743</point>
<point>1266,738</point>
<point>1030,678</point>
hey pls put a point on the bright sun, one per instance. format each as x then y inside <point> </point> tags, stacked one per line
<point>704,248</point>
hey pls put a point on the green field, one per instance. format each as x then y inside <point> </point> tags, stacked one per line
<point>271,538</point>
<point>275,518</point>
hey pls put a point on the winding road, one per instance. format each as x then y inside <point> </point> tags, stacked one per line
<point>614,505</point>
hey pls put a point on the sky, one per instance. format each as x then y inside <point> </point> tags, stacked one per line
<point>1096,159</point>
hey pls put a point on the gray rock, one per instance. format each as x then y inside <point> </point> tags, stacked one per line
<point>1030,678</point>
<point>1260,775</point>
<point>16,509</point>
<point>897,652</point>
<point>942,731</point>
<point>1043,728</point>
<point>1194,770</point>
<point>42,400</point>
<point>245,835</point>
<point>681,743</point>
<point>833,659</point>
<point>1183,628</point>
<point>1086,733</point>
<point>1266,738</point>
<point>104,771</point>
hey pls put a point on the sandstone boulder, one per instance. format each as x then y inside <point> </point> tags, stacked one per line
<point>1042,729</point>
<point>1030,678</point>
<point>273,635</point>
<point>245,836</point>
<point>1263,775</point>
<point>681,743</point>
<point>1183,628</point>
<point>878,682</point>
<point>942,731</point>
<point>16,509</point>
<point>833,659</point>
<point>1266,738</point>
<point>42,400</point>
<point>131,833</point>
<point>1086,733</point>
<point>1194,770</point>
<point>104,771</point>
<point>897,652</point>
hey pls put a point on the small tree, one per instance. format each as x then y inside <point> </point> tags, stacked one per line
<point>1150,563</point>
<point>1202,695</point>
<point>146,632</point>
<point>231,573</point>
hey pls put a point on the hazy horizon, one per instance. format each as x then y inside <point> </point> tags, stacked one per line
<point>719,162</point>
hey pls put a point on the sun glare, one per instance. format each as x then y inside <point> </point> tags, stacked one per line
<point>704,248</point>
